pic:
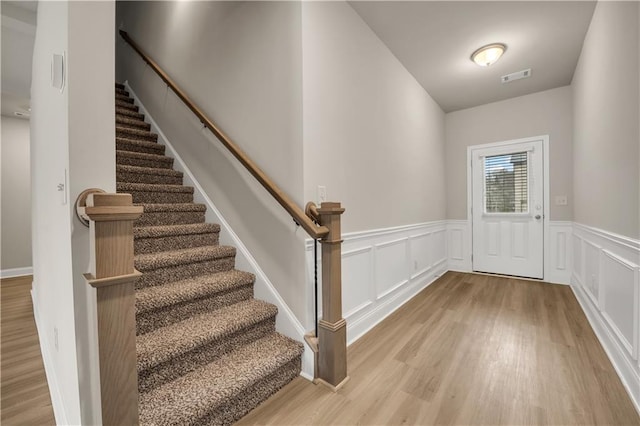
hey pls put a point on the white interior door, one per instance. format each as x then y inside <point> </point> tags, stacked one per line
<point>508,209</point>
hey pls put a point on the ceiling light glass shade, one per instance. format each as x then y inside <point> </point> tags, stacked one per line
<point>488,54</point>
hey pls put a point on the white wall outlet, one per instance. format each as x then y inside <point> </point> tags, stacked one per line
<point>561,200</point>
<point>322,194</point>
<point>55,339</point>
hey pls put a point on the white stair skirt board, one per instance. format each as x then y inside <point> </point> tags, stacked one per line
<point>286,321</point>
<point>16,272</point>
<point>557,267</point>
<point>47,359</point>
<point>383,269</point>
<point>605,280</point>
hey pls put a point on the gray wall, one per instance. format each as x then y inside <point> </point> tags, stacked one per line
<point>16,194</point>
<point>372,135</point>
<point>542,113</point>
<point>606,143</point>
<point>241,62</point>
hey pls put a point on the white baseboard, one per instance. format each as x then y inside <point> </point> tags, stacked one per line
<point>286,321</point>
<point>16,272</point>
<point>52,380</point>
<point>606,282</point>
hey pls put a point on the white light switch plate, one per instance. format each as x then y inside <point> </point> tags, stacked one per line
<point>561,200</point>
<point>322,194</point>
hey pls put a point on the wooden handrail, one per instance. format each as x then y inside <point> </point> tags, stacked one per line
<point>314,230</point>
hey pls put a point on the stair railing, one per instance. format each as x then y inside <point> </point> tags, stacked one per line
<point>321,223</point>
<point>110,219</point>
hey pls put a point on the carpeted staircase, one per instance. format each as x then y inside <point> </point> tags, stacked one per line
<point>208,351</point>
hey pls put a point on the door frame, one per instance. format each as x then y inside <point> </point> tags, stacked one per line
<point>545,195</point>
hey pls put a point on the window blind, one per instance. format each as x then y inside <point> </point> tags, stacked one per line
<point>506,183</point>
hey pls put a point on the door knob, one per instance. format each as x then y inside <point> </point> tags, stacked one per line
<point>538,217</point>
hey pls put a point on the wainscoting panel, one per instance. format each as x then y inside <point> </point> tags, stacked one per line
<point>605,280</point>
<point>420,252</point>
<point>382,269</point>
<point>391,266</point>
<point>558,261</point>
<point>357,266</point>
<point>459,245</point>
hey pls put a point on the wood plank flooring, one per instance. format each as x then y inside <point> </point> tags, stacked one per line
<point>469,349</point>
<point>24,392</point>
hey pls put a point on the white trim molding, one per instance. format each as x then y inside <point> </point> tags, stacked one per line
<point>57,403</point>
<point>286,321</point>
<point>382,269</point>
<point>16,272</point>
<point>606,281</point>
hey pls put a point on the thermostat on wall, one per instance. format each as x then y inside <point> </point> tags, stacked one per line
<point>57,71</point>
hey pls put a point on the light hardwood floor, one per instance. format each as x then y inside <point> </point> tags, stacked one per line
<point>24,392</point>
<point>469,349</point>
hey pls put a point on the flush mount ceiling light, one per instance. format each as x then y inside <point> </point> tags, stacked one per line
<point>488,54</point>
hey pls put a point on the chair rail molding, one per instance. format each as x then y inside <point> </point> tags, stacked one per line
<point>606,281</point>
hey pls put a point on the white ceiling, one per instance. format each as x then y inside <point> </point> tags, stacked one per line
<point>18,35</point>
<point>435,39</point>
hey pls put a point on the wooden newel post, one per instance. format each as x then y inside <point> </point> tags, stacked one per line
<point>113,275</point>
<point>332,328</point>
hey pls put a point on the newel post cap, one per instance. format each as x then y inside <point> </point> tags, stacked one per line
<point>101,207</point>
<point>330,207</point>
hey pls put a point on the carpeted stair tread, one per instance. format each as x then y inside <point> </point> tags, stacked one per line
<point>126,105</point>
<point>125,98</point>
<point>156,193</point>
<point>174,340</point>
<point>152,239</point>
<point>123,112</point>
<point>171,207</point>
<point>120,86</point>
<point>158,297</point>
<point>164,259</point>
<point>122,91</point>
<point>173,230</point>
<point>165,214</point>
<point>148,170</point>
<point>150,187</point>
<point>133,145</point>
<point>196,395</point>
<point>129,133</point>
<point>143,159</point>
<point>125,121</point>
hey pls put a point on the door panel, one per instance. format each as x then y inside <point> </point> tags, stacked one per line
<point>508,209</point>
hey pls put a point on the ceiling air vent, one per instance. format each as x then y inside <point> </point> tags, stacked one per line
<point>516,76</point>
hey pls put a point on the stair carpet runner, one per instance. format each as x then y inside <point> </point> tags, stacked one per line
<point>208,352</point>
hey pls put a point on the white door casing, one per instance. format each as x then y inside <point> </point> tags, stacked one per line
<point>508,207</point>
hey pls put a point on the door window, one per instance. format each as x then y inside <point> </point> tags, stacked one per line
<point>506,183</point>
